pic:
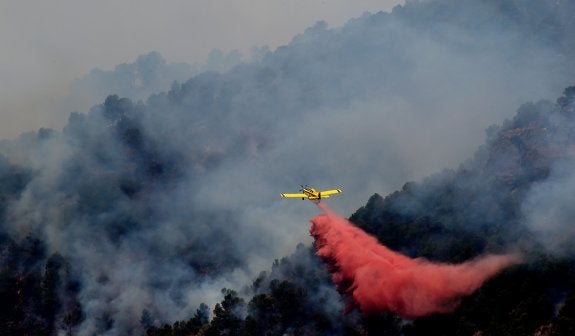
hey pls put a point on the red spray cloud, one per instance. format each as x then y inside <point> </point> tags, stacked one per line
<point>379,279</point>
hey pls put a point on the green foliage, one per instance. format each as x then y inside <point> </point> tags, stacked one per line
<point>228,315</point>
<point>31,290</point>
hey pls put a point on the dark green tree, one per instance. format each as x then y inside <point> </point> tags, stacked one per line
<point>228,315</point>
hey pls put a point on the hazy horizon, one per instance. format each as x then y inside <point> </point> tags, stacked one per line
<point>46,46</point>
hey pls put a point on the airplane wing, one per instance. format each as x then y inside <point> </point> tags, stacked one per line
<point>330,192</point>
<point>294,195</point>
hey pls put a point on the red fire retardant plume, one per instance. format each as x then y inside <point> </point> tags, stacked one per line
<point>379,279</point>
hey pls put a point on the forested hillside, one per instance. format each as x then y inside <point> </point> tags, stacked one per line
<point>453,216</point>
<point>138,214</point>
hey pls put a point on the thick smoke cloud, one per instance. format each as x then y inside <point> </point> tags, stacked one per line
<point>549,213</point>
<point>547,207</point>
<point>159,205</point>
<point>46,46</point>
<point>148,74</point>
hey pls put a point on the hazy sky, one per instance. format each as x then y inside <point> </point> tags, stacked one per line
<point>47,44</point>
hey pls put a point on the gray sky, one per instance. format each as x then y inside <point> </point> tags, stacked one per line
<point>47,44</point>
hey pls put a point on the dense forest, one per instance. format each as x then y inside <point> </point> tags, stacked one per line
<point>162,217</point>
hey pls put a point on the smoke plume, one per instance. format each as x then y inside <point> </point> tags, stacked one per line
<point>175,192</point>
<point>379,279</point>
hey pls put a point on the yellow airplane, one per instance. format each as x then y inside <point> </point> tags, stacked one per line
<point>312,194</point>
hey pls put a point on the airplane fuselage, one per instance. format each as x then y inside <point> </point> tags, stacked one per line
<point>311,193</point>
